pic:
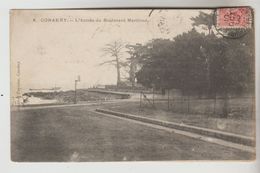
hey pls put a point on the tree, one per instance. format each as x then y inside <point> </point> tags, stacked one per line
<point>191,64</point>
<point>154,71</point>
<point>137,52</point>
<point>205,19</point>
<point>114,49</point>
<point>230,63</point>
<point>177,64</point>
<point>200,64</point>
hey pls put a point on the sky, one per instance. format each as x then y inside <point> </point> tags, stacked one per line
<point>53,47</point>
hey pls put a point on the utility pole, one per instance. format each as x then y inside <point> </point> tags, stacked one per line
<point>75,96</point>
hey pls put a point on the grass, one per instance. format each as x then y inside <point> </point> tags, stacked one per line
<point>76,134</point>
<point>239,108</point>
<point>238,125</point>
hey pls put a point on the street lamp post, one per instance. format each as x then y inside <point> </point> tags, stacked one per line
<point>75,93</point>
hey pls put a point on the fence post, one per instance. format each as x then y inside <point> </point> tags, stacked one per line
<point>153,96</point>
<point>140,106</point>
<point>215,103</point>
<point>168,99</point>
<point>188,103</point>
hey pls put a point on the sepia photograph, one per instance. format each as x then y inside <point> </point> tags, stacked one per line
<point>116,85</point>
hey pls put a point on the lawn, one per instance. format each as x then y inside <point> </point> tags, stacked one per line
<point>233,124</point>
<point>77,134</point>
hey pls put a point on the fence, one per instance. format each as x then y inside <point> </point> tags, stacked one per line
<point>241,107</point>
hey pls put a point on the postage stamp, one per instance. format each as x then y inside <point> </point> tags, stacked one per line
<point>233,22</point>
<point>240,17</point>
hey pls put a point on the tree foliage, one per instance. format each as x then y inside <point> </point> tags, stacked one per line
<point>136,53</point>
<point>205,19</point>
<point>196,63</point>
<point>193,62</point>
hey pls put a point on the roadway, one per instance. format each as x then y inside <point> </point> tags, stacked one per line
<point>77,133</point>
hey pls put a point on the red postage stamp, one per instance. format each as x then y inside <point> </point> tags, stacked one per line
<point>239,17</point>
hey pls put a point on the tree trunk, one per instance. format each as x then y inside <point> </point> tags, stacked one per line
<point>118,71</point>
<point>209,28</point>
<point>188,110</point>
<point>163,91</point>
<point>225,106</point>
<point>132,74</point>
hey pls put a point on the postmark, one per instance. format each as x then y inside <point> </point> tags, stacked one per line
<point>233,22</point>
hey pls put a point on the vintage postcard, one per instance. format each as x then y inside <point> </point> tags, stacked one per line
<point>100,85</point>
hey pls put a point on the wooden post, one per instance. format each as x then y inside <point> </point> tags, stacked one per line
<point>153,96</point>
<point>188,103</point>
<point>168,99</point>
<point>215,103</point>
<point>140,106</point>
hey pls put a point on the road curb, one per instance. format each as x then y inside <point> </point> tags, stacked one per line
<point>240,139</point>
